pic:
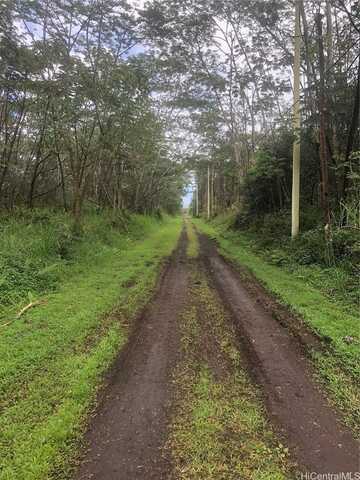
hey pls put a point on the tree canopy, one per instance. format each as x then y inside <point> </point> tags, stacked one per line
<point>109,103</point>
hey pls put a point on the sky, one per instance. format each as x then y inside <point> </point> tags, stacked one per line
<point>188,195</point>
<point>186,200</point>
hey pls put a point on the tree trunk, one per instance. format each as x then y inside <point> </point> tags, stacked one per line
<point>351,136</point>
<point>324,190</point>
<point>77,207</point>
<point>62,181</point>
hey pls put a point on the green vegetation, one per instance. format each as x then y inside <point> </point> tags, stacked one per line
<point>91,133</point>
<point>219,429</point>
<point>193,242</point>
<point>54,355</point>
<point>118,106</point>
<point>304,257</point>
<point>307,255</point>
<point>336,323</point>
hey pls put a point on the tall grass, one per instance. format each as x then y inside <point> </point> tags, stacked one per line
<point>37,245</point>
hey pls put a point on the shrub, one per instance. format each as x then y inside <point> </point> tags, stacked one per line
<point>346,244</point>
<point>309,247</point>
<point>35,244</point>
<point>262,189</point>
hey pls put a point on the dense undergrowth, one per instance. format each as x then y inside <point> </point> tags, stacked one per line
<point>325,297</point>
<point>37,246</point>
<point>54,355</point>
<point>307,256</point>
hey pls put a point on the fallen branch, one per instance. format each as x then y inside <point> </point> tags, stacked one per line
<point>25,309</point>
<point>6,324</point>
<point>22,311</point>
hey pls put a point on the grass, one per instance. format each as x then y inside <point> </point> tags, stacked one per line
<point>193,243</point>
<point>37,246</point>
<point>219,429</point>
<point>54,356</point>
<point>304,257</point>
<point>339,366</point>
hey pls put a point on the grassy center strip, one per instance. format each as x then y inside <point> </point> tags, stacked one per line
<point>193,242</point>
<point>219,428</point>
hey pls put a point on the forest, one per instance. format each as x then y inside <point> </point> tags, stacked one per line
<point>179,239</point>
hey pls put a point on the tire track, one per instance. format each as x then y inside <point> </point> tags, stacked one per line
<point>311,428</point>
<point>126,436</point>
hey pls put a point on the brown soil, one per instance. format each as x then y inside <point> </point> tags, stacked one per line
<point>126,436</point>
<point>128,433</point>
<point>309,426</point>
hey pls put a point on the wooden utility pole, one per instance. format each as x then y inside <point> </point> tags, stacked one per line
<point>208,194</point>
<point>197,198</point>
<point>295,203</point>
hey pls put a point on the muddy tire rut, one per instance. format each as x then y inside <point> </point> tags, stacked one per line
<point>127,436</point>
<point>309,426</point>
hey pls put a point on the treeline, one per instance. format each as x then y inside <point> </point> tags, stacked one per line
<point>77,118</point>
<point>236,63</point>
<point>106,104</point>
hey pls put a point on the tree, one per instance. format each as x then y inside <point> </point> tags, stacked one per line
<point>78,119</point>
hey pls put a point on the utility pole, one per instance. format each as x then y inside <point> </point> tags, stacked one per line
<point>295,201</point>
<point>197,198</point>
<point>208,194</point>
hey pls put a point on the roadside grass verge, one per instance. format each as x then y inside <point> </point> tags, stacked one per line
<point>219,429</point>
<point>53,357</point>
<point>37,246</point>
<point>338,365</point>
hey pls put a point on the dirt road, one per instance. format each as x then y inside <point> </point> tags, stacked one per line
<point>128,433</point>
<point>316,437</point>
